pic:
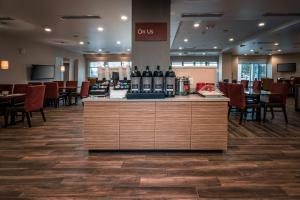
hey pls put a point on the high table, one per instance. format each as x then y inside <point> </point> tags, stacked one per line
<point>180,123</point>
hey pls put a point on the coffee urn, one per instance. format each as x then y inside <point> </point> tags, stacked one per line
<point>147,81</point>
<point>158,80</point>
<point>170,83</point>
<point>135,80</point>
<point>182,86</point>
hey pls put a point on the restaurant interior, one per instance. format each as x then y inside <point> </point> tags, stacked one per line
<point>149,99</point>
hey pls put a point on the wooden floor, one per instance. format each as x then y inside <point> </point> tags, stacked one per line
<point>48,161</point>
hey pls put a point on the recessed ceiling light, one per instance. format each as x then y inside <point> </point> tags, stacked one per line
<point>261,24</point>
<point>231,39</point>
<point>276,43</point>
<point>128,49</point>
<point>124,17</point>
<point>186,40</point>
<point>279,50</point>
<point>47,29</point>
<point>251,50</point>
<point>196,25</point>
<point>81,42</point>
<point>100,29</point>
<point>180,54</point>
<point>204,53</point>
<point>245,54</point>
<point>118,42</point>
<point>179,48</point>
<point>270,54</point>
<point>215,47</point>
<point>99,50</point>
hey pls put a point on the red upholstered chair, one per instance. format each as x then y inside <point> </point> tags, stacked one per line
<point>256,85</point>
<point>237,97</point>
<point>71,83</point>
<point>52,93</point>
<point>20,89</point>
<point>34,101</point>
<point>223,86</point>
<point>84,91</point>
<point>245,83</point>
<point>277,99</point>
<point>60,83</point>
<point>6,87</point>
<point>35,83</point>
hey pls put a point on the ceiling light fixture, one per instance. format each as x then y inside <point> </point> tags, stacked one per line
<point>203,53</point>
<point>196,25</point>
<point>245,54</point>
<point>186,40</point>
<point>128,49</point>
<point>99,50</point>
<point>180,54</point>
<point>276,43</point>
<point>251,50</point>
<point>118,42</point>
<point>231,39</point>
<point>215,47</point>
<point>81,42</point>
<point>261,24</point>
<point>100,29</point>
<point>180,48</point>
<point>48,29</point>
<point>279,50</point>
<point>124,17</point>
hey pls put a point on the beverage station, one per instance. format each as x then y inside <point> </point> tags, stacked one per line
<point>158,111</point>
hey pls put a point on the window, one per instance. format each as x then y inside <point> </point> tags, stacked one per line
<point>114,64</point>
<point>212,64</point>
<point>176,64</point>
<point>252,71</point>
<point>94,68</point>
<point>200,63</point>
<point>188,64</point>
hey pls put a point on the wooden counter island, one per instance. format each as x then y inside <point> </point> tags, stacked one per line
<point>180,123</point>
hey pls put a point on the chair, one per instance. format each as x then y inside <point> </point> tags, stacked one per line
<point>60,83</point>
<point>84,91</point>
<point>6,87</point>
<point>35,83</point>
<point>234,81</point>
<point>34,101</point>
<point>277,99</point>
<point>267,83</point>
<point>238,100</point>
<point>71,83</point>
<point>223,86</point>
<point>52,93</point>
<point>20,89</point>
<point>256,85</point>
<point>245,83</point>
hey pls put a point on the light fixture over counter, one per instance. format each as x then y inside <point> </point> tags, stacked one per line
<point>4,64</point>
<point>62,68</point>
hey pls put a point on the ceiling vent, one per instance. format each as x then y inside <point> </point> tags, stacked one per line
<point>72,17</point>
<point>202,15</point>
<point>269,14</point>
<point>6,19</point>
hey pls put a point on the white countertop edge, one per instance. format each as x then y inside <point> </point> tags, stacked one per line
<point>188,98</point>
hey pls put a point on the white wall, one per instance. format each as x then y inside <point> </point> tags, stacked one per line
<point>34,53</point>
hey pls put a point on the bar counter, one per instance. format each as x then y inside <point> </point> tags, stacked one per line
<point>180,123</point>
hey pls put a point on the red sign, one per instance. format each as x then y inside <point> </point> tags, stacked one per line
<point>155,31</point>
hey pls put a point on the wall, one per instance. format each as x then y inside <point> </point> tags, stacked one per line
<point>33,53</point>
<point>151,53</point>
<point>285,58</point>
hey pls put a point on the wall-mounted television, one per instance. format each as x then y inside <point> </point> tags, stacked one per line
<point>286,67</point>
<point>39,72</point>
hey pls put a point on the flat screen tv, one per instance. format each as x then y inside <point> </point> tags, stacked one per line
<point>286,67</point>
<point>39,72</point>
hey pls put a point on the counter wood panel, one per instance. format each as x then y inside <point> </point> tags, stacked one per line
<point>137,123</point>
<point>209,125</point>
<point>101,125</point>
<point>173,125</point>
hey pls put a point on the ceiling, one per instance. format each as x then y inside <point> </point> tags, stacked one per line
<point>238,19</point>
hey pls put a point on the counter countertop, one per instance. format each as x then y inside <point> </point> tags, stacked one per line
<point>192,97</point>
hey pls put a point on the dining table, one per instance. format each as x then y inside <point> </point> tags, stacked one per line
<point>9,100</point>
<point>255,96</point>
<point>68,90</point>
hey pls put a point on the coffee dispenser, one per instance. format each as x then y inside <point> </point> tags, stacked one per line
<point>147,81</point>
<point>135,80</point>
<point>170,83</point>
<point>158,80</point>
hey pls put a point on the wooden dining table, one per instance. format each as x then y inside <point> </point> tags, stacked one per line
<point>10,101</point>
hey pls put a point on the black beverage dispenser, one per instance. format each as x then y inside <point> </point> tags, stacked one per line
<point>158,80</point>
<point>170,83</point>
<point>135,80</point>
<point>147,81</point>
